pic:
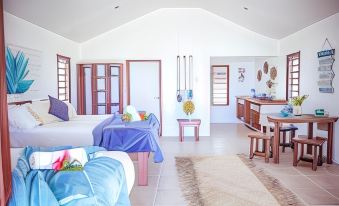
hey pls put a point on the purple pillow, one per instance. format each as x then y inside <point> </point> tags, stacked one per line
<point>58,108</point>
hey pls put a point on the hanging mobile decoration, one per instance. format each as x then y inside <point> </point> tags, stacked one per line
<point>187,91</point>
<point>325,69</point>
<point>179,97</point>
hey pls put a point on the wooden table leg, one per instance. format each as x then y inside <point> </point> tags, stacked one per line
<point>330,143</point>
<point>180,133</point>
<point>275,146</point>
<point>196,133</point>
<point>310,136</point>
<point>143,168</point>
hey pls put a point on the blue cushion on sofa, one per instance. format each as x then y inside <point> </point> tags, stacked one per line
<point>58,108</point>
<point>42,194</point>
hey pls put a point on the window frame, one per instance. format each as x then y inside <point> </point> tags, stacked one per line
<point>67,74</point>
<point>227,85</point>
<point>288,79</point>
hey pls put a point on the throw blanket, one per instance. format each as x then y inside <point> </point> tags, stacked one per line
<point>138,136</point>
<point>101,183</point>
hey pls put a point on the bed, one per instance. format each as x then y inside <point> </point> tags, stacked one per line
<point>76,132</point>
<point>104,180</point>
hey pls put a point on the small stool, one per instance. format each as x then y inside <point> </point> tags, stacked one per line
<point>189,123</point>
<point>284,130</point>
<point>266,142</point>
<point>315,143</point>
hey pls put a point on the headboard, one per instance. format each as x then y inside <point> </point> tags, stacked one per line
<point>25,102</point>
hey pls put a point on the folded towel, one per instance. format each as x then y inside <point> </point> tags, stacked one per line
<point>54,160</point>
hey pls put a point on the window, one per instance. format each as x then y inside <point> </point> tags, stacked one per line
<point>219,85</point>
<point>293,75</point>
<point>64,78</point>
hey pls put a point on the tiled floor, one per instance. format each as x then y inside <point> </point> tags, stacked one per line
<point>314,188</point>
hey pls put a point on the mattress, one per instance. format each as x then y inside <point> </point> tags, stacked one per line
<point>76,132</point>
<point>120,156</point>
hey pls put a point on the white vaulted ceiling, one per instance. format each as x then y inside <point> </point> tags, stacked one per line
<point>81,20</point>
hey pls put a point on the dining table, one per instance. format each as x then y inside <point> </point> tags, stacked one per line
<point>308,119</point>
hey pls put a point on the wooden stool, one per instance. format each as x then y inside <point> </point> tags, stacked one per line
<point>291,129</point>
<point>315,143</point>
<point>266,142</point>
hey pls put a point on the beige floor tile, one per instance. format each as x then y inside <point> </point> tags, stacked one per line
<point>169,197</point>
<point>231,139</point>
<point>316,196</point>
<point>326,181</point>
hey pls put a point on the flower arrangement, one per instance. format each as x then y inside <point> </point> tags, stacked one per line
<point>126,117</point>
<point>298,100</point>
<point>188,107</point>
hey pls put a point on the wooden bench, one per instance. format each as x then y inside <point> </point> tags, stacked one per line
<point>266,142</point>
<point>315,143</point>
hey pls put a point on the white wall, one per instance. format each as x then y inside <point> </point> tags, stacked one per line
<point>163,35</point>
<point>227,114</point>
<point>309,41</point>
<point>24,34</point>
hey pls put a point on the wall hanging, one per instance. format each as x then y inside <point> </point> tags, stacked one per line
<point>259,75</point>
<point>325,69</point>
<point>265,67</point>
<point>16,72</point>
<point>241,77</point>
<point>273,73</point>
<point>185,76</point>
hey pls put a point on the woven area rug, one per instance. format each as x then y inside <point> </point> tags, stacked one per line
<point>229,180</point>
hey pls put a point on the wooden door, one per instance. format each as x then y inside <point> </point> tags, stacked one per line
<point>144,86</point>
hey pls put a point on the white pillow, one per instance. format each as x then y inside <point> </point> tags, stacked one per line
<point>135,115</point>
<point>19,117</point>
<point>40,109</point>
<point>72,113</point>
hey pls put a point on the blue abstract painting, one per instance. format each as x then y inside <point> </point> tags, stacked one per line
<point>16,72</point>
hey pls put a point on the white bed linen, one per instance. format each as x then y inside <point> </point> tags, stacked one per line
<point>117,155</point>
<point>76,132</point>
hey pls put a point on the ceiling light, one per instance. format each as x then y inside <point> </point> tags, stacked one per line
<point>116,7</point>
<point>245,8</point>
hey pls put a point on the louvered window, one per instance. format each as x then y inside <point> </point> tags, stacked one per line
<point>220,85</point>
<point>293,75</point>
<point>64,75</point>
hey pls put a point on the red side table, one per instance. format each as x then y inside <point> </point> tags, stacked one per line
<point>188,123</point>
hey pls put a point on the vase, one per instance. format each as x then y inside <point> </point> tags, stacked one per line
<point>297,110</point>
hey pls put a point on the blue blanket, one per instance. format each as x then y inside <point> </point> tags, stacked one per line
<point>101,183</point>
<point>138,136</point>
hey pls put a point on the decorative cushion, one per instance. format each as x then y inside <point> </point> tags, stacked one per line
<point>72,113</point>
<point>40,109</point>
<point>19,117</point>
<point>58,108</point>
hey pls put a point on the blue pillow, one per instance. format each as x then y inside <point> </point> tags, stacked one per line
<point>58,108</point>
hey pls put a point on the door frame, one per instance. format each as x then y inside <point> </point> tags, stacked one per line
<point>160,85</point>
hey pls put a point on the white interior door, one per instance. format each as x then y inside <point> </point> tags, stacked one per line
<point>144,88</point>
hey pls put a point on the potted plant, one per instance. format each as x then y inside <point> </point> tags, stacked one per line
<point>297,102</point>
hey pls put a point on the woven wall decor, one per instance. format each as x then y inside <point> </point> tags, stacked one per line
<point>265,67</point>
<point>259,75</point>
<point>273,73</point>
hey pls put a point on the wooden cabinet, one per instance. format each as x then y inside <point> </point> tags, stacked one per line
<point>249,110</point>
<point>100,88</point>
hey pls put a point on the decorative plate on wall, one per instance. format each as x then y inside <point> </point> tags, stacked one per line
<point>265,67</point>
<point>273,73</point>
<point>259,75</point>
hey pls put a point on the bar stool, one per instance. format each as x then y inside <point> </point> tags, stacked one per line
<point>284,129</point>
<point>316,143</point>
<point>266,141</point>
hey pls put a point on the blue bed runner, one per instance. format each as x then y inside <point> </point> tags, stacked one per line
<point>138,136</point>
